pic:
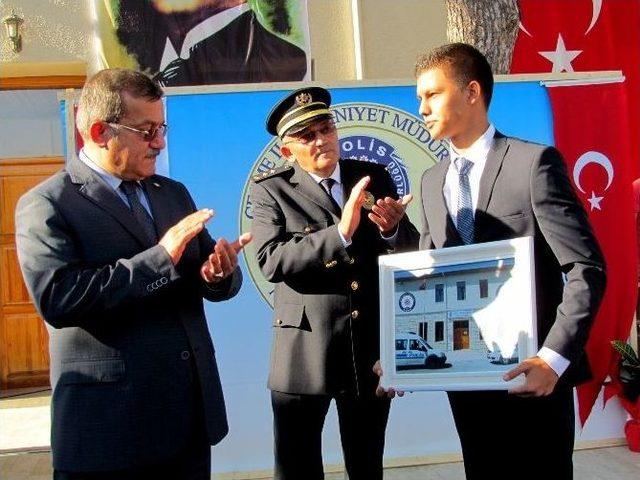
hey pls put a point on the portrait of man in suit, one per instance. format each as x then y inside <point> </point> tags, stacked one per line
<point>319,224</point>
<point>200,42</point>
<point>495,187</point>
<point>117,261</point>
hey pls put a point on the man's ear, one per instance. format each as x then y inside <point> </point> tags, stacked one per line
<point>474,91</point>
<point>100,133</point>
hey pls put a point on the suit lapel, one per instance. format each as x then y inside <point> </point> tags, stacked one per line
<point>440,204</point>
<point>93,188</point>
<point>161,205</point>
<point>307,187</point>
<point>491,169</point>
<point>348,178</point>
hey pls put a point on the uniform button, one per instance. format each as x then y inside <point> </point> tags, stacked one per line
<point>185,355</point>
<point>355,314</point>
<point>307,229</point>
<point>354,285</point>
<point>278,322</point>
<point>352,261</point>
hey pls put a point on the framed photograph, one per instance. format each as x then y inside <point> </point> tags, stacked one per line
<point>457,318</point>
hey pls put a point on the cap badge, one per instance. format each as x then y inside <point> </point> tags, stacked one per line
<point>303,98</point>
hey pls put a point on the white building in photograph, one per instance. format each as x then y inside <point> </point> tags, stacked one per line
<point>439,305</point>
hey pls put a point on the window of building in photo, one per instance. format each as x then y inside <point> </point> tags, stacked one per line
<point>423,330</point>
<point>484,288</point>
<point>462,290</point>
<point>439,331</point>
<point>439,292</point>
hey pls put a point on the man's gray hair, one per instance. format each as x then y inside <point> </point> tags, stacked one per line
<point>101,97</point>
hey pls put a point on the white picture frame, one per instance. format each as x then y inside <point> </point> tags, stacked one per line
<point>475,304</point>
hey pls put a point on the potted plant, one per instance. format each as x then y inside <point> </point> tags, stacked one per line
<point>627,387</point>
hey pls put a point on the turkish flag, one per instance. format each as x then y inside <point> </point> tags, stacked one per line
<point>589,129</point>
<point>597,129</point>
<point>581,36</point>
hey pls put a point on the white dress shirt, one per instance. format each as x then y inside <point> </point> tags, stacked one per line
<point>114,182</point>
<point>477,154</point>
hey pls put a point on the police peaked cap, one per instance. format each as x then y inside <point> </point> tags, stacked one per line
<point>298,110</point>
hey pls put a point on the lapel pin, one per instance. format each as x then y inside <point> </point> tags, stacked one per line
<point>156,184</point>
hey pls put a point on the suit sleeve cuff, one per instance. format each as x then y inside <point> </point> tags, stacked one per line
<point>391,239</point>
<point>556,361</point>
<point>345,242</point>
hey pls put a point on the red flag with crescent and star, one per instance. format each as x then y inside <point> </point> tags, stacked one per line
<point>598,164</point>
<point>596,127</point>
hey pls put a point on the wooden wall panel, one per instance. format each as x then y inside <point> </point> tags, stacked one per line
<point>14,291</point>
<point>24,353</point>
<point>42,82</point>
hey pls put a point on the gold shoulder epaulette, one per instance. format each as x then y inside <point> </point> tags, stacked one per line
<point>258,177</point>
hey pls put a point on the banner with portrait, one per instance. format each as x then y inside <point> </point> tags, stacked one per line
<point>204,42</point>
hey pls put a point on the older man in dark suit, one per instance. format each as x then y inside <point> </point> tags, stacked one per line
<point>495,188</point>
<point>117,261</point>
<point>320,248</point>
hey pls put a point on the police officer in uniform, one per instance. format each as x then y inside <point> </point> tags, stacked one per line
<point>319,224</point>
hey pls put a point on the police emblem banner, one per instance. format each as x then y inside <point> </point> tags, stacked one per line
<point>201,42</point>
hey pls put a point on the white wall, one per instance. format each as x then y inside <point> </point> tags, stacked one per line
<point>30,124</point>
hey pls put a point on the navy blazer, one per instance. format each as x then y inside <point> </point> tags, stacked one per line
<point>525,191</point>
<point>132,362</point>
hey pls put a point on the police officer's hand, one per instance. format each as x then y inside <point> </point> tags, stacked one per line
<point>352,208</point>
<point>380,391</point>
<point>224,259</point>
<point>540,378</point>
<point>177,237</point>
<point>387,212</point>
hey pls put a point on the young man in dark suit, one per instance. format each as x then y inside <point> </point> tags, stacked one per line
<point>496,187</point>
<point>117,260</point>
<point>318,244</point>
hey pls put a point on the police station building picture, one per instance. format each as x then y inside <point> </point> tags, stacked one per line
<point>439,306</point>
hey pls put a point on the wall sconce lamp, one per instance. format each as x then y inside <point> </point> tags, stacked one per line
<point>12,25</point>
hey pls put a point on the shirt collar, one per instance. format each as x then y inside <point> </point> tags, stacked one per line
<point>478,150</point>
<point>111,180</point>
<point>335,175</point>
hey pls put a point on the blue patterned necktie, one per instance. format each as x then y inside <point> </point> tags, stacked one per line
<point>139,212</point>
<point>464,219</point>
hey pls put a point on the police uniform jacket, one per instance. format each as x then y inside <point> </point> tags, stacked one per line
<point>326,303</point>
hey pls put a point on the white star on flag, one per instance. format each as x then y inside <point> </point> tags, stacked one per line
<point>561,57</point>
<point>595,201</point>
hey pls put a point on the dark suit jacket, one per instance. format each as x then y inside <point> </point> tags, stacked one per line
<point>132,361</point>
<point>525,191</point>
<point>326,318</point>
<point>242,52</point>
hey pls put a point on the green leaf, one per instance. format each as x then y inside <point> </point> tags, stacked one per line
<point>626,352</point>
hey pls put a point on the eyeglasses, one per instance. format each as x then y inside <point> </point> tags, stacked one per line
<point>309,135</point>
<point>147,135</point>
